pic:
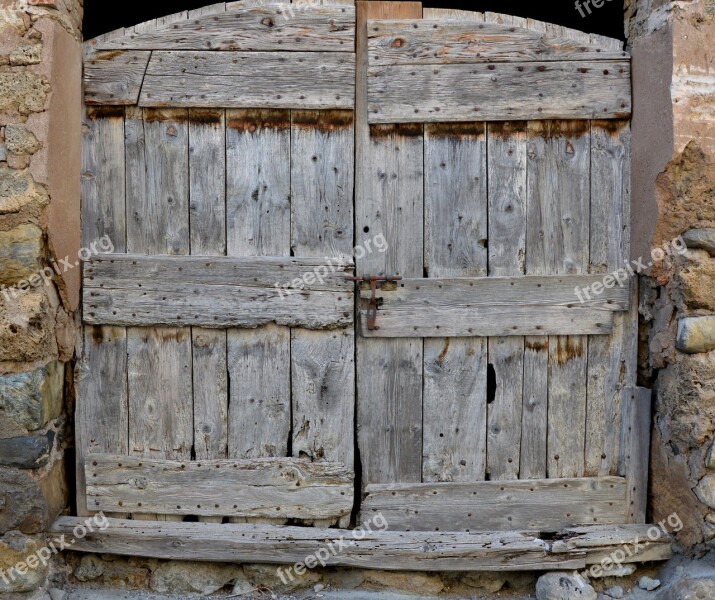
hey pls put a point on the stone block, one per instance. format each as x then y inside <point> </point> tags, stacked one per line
<point>193,579</point>
<point>21,251</point>
<point>705,491</point>
<point>696,276</point>
<point>564,586</point>
<point>32,399</point>
<point>15,572</point>
<point>696,334</point>
<point>426,583</point>
<point>26,54</point>
<point>27,327</point>
<point>23,91</point>
<point>20,140</point>
<point>18,189</point>
<point>27,452</point>
<point>691,589</point>
<point>701,239</point>
<point>30,504</point>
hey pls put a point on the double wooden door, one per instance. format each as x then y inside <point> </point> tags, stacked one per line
<point>248,161</point>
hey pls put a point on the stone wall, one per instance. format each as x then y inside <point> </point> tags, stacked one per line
<point>673,45</point>
<point>40,104</point>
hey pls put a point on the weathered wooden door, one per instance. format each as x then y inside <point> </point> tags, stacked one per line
<point>236,156</point>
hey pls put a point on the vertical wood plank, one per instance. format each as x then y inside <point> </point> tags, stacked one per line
<point>637,418</point>
<point>102,408</point>
<point>455,370</point>
<point>557,239</point>
<point>507,247</point>
<point>390,371</point>
<point>609,368</point>
<point>258,224</point>
<point>207,210</point>
<point>323,362</point>
<point>159,359</point>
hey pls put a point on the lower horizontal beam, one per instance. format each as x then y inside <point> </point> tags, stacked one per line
<point>375,549</point>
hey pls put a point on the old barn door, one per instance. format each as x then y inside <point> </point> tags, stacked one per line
<point>238,159</point>
<point>495,162</point>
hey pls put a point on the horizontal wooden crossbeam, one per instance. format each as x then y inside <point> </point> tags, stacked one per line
<point>543,505</point>
<point>278,488</point>
<point>497,306</point>
<point>375,549</point>
<point>215,292</point>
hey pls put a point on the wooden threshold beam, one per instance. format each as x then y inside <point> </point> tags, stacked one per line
<point>385,550</point>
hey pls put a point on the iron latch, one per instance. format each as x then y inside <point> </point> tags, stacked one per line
<point>375,283</point>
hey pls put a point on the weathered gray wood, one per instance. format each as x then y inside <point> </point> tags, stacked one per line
<point>391,550</point>
<point>636,413</point>
<point>323,392</point>
<point>439,41</point>
<point>452,13</point>
<point>284,488</point>
<point>455,400</point>
<point>390,370</point>
<point>259,419</point>
<point>258,198</point>
<point>494,306</point>
<point>159,359</point>
<point>609,367</point>
<point>301,80</point>
<point>207,205</point>
<point>322,182</point>
<point>115,76</point>
<point>323,363</point>
<point>101,420</point>
<point>557,241</point>
<point>216,306</point>
<point>507,249</point>
<point>535,408</point>
<point>102,181</point>
<point>273,26</point>
<point>258,224</point>
<point>158,182</point>
<point>543,505</point>
<point>134,271</point>
<point>499,91</point>
<point>160,407</point>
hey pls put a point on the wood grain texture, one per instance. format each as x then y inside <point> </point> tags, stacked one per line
<point>275,488</point>
<point>207,206</point>
<point>271,26</point>
<point>499,91</point>
<point>507,248</point>
<point>494,306</point>
<point>452,13</point>
<point>610,360</point>
<point>390,370</point>
<point>454,390</point>
<point>557,241</point>
<point>384,550</point>
<point>543,505</point>
<point>114,77</point>
<point>636,414</point>
<point>322,184</point>
<point>299,80</point>
<point>441,41</point>
<point>133,271</point>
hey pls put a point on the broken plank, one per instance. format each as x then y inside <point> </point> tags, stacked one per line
<point>499,91</point>
<point>298,80</point>
<point>384,550</point>
<point>271,488</point>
